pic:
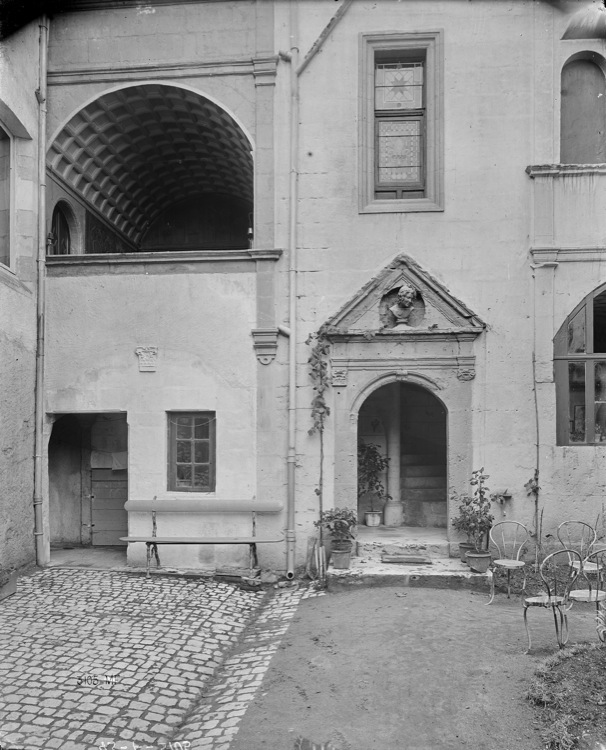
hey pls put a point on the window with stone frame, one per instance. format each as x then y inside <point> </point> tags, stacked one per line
<point>580,373</point>
<point>401,122</point>
<point>191,451</point>
<point>5,197</point>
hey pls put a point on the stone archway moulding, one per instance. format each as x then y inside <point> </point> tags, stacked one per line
<point>414,378</point>
<point>156,82</point>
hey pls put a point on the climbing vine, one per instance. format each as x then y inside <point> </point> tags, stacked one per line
<point>532,490</point>
<point>319,374</point>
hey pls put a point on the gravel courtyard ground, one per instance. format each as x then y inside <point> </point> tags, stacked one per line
<point>405,669</point>
<point>105,659</point>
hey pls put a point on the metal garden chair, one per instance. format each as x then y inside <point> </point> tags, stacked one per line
<point>558,576</point>
<point>596,589</point>
<point>578,536</point>
<point>510,539</point>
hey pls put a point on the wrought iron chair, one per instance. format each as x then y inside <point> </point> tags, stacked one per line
<point>510,539</point>
<point>578,536</point>
<point>558,576</point>
<point>596,589</point>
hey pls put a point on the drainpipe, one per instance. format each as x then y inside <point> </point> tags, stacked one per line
<point>292,295</point>
<point>42,541</point>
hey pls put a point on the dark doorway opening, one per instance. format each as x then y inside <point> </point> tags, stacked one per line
<point>88,480</point>
<point>409,425</point>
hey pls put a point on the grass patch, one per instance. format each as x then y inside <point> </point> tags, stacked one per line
<point>569,693</point>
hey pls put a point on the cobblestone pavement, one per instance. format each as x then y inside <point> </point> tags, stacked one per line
<point>102,659</point>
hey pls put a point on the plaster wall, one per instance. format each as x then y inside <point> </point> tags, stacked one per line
<point>477,246</point>
<point>201,325</point>
<point>18,115</point>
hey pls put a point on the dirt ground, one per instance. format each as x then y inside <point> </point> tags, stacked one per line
<point>405,669</point>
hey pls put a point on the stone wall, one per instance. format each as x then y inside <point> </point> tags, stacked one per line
<point>18,115</point>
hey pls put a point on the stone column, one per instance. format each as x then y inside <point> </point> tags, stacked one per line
<point>393,513</point>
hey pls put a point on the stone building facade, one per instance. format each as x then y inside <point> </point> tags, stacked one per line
<point>421,180</point>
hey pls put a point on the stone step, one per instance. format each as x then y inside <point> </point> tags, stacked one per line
<point>425,470</point>
<point>373,550</point>
<point>424,482</point>
<point>441,574</point>
<point>432,495</point>
<point>412,459</point>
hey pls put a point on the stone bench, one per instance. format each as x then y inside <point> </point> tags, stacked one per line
<point>158,508</point>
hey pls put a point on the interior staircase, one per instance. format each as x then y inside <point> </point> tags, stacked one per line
<point>423,489</point>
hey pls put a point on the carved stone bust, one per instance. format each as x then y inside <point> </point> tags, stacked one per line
<point>403,307</point>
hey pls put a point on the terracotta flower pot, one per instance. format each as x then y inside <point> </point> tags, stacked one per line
<point>479,562</point>
<point>464,548</point>
<point>372,518</point>
<point>340,554</point>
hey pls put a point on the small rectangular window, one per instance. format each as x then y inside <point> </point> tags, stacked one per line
<point>401,122</point>
<point>191,451</point>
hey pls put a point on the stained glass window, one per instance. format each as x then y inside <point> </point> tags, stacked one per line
<point>399,154</point>
<point>398,86</point>
<point>399,128</point>
<point>191,451</point>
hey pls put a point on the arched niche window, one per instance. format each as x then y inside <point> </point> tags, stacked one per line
<point>60,240</point>
<point>583,116</point>
<point>580,373</point>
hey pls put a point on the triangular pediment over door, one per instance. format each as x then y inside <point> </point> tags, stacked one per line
<point>433,329</point>
<point>434,307</point>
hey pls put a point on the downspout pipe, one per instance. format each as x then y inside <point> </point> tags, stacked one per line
<point>42,541</point>
<point>292,293</point>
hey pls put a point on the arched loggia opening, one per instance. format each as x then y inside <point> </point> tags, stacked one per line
<point>409,425</point>
<point>156,168</point>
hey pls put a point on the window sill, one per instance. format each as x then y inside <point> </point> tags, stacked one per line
<point>562,170</point>
<point>184,261</point>
<point>413,205</point>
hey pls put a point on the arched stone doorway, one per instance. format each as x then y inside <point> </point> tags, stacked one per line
<point>409,425</point>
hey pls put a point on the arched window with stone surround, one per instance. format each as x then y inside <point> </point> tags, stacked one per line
<point>60,240</point>
<point>583,111</point>
<point>580,372</point>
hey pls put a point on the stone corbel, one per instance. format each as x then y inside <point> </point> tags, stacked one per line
<point>265,344</point>
<point>264,71</point>
<point>466,374</point>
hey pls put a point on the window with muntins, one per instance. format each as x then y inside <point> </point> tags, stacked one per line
<point>191,451</point>
<point>401,122</point>
<point>580,373</point>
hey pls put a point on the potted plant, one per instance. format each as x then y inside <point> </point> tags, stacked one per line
<point>475,520</point>
<point>371,465</point>
<point>340,523</point>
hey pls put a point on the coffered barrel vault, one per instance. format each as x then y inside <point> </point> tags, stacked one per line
<point>134,152</point>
